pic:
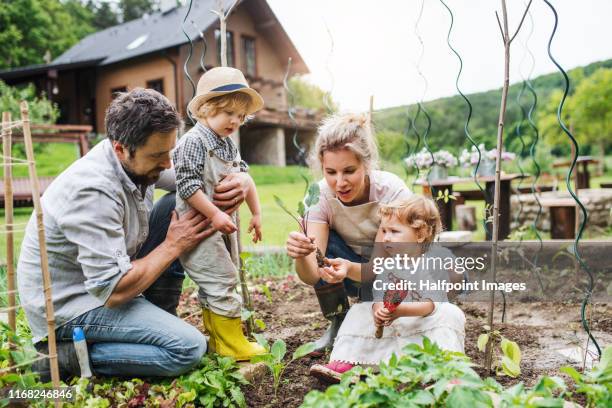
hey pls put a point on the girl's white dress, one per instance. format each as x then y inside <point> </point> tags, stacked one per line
<point>356,342</point>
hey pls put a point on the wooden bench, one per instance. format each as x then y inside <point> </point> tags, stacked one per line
<point>562,217</point>
<point>77,134</point>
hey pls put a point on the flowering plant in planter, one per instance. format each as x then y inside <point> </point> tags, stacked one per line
<point>421,160</point>
<point>424,160</point>
<point>439,162</point>
<point>443,158</point>
<point>487,162</point>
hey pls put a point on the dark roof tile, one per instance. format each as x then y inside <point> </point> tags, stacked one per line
<point>155,32</point>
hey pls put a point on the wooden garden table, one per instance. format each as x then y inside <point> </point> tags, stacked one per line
<point>583,177</point>
<point>446,209</point>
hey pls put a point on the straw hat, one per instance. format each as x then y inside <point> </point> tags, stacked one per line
<point>221,81</point>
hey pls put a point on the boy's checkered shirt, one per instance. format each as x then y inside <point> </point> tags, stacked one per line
<point>191,153</point>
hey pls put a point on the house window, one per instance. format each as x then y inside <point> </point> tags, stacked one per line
<point>248,49</point>
<point>157,84</point>
<point>229,44</point>
<point>119,89</point>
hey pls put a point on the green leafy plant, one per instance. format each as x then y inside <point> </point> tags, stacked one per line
<point>16,350</point>
<point>446,196</point>
<point>311,198</point>
<point>275,355</point>
<point>509,361</point>
<point>596,385</point>
<point>422,376</point>
<point>429,376</point>
<point>216,383</point>
<point>266,291</point>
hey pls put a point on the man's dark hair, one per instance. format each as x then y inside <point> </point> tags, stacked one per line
<point>134,116</point>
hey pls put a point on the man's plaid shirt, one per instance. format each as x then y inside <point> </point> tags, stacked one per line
<point>191,153</point>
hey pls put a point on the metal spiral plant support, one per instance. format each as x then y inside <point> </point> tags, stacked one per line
<point>186,64</point>
<point>466,128</point>
<point>415,150</point>
<point>468,103</point>
<point>327,97</point>
<point>525,117</point>
<point>421,108</point>
<point>538,170</point>
<point>291,113</point>
<point>534,143</point>
<point>584,218</point>
<point>204,46</point>
<point>519,134</point>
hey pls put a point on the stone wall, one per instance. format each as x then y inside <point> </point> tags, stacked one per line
<point>598,203</point>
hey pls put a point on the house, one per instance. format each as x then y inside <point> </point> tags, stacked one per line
<point>152,52</point>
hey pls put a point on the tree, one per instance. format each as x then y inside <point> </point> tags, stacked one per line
<point>588,111</point>
<point>549,125</point>
<point>104,15</point>
<point>42,110</point>
<point>592,110</point>
<point>31,28</point>
<point>304,94</point>
<point>133,9</point>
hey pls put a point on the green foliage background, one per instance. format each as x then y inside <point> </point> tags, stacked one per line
<point>33,31</point>
<point>589,108</point>
<point>33,28</point>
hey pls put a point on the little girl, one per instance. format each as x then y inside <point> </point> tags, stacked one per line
<point>413,220</point>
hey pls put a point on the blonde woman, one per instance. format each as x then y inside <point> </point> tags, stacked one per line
<point>345,222</point>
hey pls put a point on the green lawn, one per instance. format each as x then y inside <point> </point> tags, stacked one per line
<point>285,182</point>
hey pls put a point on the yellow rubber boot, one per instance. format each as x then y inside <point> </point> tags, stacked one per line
<point>226,337</point>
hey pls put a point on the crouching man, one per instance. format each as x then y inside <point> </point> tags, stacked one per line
<point>108,245</point>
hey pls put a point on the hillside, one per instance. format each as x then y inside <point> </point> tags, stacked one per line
<point>448,115</point>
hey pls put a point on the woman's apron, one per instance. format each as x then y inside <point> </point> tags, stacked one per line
<point>212,264</point>
<point>357,225</point>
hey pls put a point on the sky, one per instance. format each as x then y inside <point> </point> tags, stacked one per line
<point>358,48</point>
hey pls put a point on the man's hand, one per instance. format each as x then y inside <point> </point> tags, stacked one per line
<point>232,191</point>
<point>183,235</point>
<point>186,232</point>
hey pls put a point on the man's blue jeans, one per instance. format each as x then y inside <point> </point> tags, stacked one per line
<point>138,338</point>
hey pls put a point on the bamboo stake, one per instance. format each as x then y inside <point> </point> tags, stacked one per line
<point>44,262</point>
<point>8,218</point>
<point>507,40</point>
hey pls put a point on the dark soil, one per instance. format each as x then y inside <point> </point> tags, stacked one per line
<point>291,313</point>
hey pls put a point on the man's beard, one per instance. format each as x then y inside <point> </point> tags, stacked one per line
<point>140,179</point>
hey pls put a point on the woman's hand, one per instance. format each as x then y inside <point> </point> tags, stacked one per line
<point>299,245</point>
<point>336,271</point>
